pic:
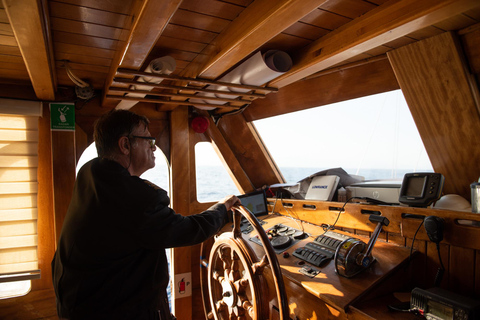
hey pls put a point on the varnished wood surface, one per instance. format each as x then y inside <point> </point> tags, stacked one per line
<point>46,216</point>
<point>33,38</point>
<point>35,305</point>
<point>442,98</point>
<point>459,248</point>
<point>328,286</point>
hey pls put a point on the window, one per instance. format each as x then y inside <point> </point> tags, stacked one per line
<point>374,137</point>
<point>213,181</point>
<point>159,175</point>
<point>18,196</point>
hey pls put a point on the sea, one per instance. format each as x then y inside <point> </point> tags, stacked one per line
<point>213,183</point>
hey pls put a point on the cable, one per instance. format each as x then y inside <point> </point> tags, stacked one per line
<point>411,248</point>
<point>441,269</point>
<point>76,80</point>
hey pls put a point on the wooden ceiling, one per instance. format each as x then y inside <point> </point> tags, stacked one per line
<point>207,38</point>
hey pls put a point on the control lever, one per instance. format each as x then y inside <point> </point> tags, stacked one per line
<point>353,255</point>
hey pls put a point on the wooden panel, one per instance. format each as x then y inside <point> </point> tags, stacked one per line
<point>186,33</point>
<point>363,80</point>
<point>85,28</point>
<point>260,22</point>
<point>438,91</point>
<point>462,270</point>
<point>116,6</point>
<point>199,21</point>
<point>10,50</point>
<point>63,155</point>
<point>28,22</point>
<point>456,22</point>
<point>78,39</point>
<point>471,45</point>
<point>83,50</point>
<point>350,8</point>
<point>325,20</point>
<point>212,8</point>
<point>85,14</point>
<point>84,67</point>
<point>369,31</point>
<point>305,30</point>
<point>36,305</point>
<point>8,40</point>
<point>81,59</point>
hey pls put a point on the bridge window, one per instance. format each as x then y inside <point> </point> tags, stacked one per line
<point>213,180</point>
<point>374,137</point>
<point>160,174</point>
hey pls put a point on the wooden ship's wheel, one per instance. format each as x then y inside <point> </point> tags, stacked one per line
<point>236,286</point>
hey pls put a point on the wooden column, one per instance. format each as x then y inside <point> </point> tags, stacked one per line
<point>180,198</point>
<point>46,218</point>
<point>63,163</point>
<point>251,153</point>
<point>441,96</point>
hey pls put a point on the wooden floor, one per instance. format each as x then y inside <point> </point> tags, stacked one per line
<point>35,305</point>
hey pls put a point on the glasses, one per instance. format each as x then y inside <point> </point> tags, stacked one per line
<point>151,140</point>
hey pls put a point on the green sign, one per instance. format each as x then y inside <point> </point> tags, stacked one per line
<point>62,116</point>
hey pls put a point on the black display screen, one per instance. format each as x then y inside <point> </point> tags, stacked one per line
<point>416,186</point>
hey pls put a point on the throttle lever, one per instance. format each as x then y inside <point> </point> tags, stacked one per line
<point>364,258</point>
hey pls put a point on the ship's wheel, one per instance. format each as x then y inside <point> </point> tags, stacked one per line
<point>236,286</point>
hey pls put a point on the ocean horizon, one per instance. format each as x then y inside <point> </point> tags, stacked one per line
<point>213,182</point>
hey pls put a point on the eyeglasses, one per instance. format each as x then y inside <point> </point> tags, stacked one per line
<point>151,140</point>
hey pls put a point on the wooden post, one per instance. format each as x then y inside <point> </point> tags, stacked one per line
<point>180,198</point>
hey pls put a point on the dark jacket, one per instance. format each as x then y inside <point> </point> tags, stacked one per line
<point>110,261</point>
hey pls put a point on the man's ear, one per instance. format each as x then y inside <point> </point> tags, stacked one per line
<point>124,145</point>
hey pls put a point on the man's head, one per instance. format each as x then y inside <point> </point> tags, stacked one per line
<point>123,136</point>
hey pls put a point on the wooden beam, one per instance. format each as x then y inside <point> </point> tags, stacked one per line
<point>440,94</point>
<point>344,84</point>
<point>251,153</point>
<point>227,156</point>
<point>30,27</point>
<point>151,20</point>
<point>386,23</point>
<point>259,22</point>
<point>182,168</point>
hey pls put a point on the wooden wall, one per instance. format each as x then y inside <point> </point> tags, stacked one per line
<point>442,97</point>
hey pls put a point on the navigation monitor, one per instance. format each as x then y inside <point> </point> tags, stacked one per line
<point>256,202</point>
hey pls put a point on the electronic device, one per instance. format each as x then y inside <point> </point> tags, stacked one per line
<point>255,202</point>
<point>439,304</point>
<point>387,191</point>
<point>322,188</point>
<point>420,189</point>
<point>322,249</point>
<point>353,255</point>
<point>281,237</point>
<point>434,227</point>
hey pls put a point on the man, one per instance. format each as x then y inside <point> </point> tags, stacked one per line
<point>110,261</point>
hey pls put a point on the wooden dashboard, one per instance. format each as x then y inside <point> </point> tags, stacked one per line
<point>327,294</point>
